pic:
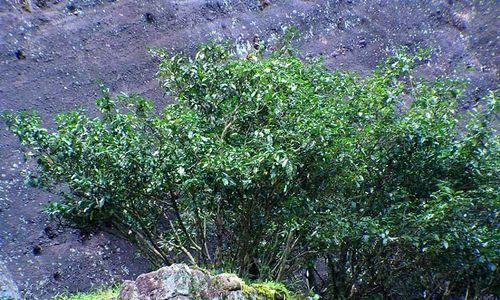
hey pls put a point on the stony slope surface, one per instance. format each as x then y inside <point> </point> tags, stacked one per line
<point>52,51</point>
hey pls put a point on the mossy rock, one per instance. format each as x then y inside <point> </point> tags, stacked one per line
<point>180,282</point>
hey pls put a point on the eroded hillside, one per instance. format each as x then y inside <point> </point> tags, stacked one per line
<point>52,53</point>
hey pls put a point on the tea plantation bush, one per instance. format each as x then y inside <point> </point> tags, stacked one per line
<point>275,167</point>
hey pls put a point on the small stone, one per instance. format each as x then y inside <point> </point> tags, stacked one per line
<point>20,54</point>
<point>37,250</point>
<point>50,232</point>
<point>459,24</point>
<point>41,3</point>
<point>72,8</point>
<point>150,18</point>
<point>57,275</point>
<point>341,24</point>
<point>264,4</point>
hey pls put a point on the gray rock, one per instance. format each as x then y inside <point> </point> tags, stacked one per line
<point>180,282</point>
<point>8,289</point>
<point>174,282</point>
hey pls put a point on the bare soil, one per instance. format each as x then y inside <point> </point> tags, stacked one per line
<point>53,51</point>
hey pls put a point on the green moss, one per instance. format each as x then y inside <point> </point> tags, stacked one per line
<point>246,289</point>
<point>268,291</point>
<point>100,294</point>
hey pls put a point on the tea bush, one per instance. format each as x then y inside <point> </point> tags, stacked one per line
<point>272,166</point>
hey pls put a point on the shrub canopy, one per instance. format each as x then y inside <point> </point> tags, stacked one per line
<point>269,165</point>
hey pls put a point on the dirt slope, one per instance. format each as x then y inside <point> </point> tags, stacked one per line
<point>52,51</point>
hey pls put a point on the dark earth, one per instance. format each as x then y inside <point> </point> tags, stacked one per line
<point>53,51</point>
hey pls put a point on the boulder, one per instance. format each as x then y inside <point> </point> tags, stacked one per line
<point>180,282</point>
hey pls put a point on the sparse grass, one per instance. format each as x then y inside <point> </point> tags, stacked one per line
<point>99,294</point>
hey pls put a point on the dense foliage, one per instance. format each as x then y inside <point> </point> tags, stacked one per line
<point>275,167</point>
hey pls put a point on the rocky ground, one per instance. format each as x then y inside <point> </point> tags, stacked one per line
<point>53,51</point>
